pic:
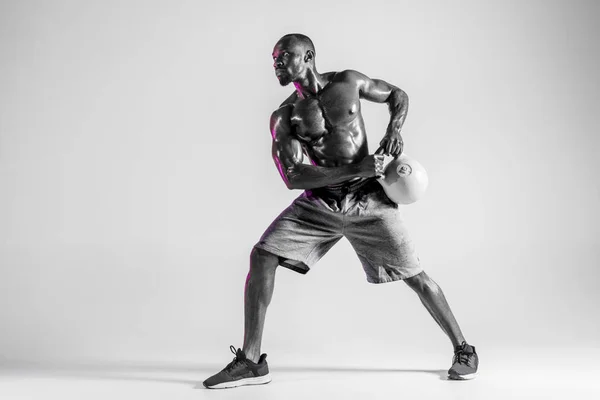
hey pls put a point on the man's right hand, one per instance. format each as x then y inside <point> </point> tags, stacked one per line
<point>371,165</point>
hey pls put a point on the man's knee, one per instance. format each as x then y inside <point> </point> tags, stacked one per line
<point>261,261</point>
<point>422,283</point>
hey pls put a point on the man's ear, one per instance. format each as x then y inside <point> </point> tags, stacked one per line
<point>310,55</point>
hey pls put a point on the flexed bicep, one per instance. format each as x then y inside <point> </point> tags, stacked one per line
<point>288,155</point>
<point>286,150</point>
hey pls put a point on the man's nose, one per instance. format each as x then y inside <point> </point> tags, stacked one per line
<point>278,64</point>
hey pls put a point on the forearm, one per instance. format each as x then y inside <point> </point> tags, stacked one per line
<point>302,176</point>
<point>398,106</point>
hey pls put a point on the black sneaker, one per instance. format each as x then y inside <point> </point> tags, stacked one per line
<point>239,372</point>
<point>464,363</point>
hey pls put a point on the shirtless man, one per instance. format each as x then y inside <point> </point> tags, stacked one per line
<point>341,198</point>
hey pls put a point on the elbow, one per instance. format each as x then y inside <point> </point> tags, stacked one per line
<point>290,177</point>
<point>397,98</point>
<point>291,184</point>
<point>404,97</point>
<point>401,94</point>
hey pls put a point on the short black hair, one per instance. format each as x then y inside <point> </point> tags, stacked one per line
<point>305,40</point>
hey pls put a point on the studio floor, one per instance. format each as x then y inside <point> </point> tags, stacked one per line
<point>553,374</point>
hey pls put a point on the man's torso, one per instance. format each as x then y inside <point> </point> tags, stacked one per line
<point>329,124</point>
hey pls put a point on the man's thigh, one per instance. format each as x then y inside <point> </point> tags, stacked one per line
<point>302,233</point>
<point>379,235</point>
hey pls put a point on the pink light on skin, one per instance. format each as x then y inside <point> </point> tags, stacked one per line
<point>245,290</point>
<point>280,167</point>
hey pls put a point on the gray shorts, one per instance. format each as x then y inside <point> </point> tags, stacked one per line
<point>362,213</point>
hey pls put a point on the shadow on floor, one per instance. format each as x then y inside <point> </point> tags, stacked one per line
<point>440,373</point>
<point>191,374</point>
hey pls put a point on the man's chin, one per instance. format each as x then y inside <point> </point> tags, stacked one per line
<point>284,80</point>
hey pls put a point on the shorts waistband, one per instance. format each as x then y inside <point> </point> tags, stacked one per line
<point>342,189</point>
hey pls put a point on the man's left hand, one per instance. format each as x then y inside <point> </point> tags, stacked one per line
<point>392,143</point>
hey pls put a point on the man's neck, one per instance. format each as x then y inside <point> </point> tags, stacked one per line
<point>312,84</point>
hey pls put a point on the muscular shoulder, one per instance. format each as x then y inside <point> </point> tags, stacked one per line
<point>352,76</point>
<point>280,120</point>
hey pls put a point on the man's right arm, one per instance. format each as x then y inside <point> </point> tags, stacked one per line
<point>288,156</point>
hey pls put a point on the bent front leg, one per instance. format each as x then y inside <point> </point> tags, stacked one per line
<point>433,299</point>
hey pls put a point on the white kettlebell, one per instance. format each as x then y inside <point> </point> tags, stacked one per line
<point>404,180</point>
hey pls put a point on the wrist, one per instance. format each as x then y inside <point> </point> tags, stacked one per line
<point>395,129</point>
<point>355,169</point>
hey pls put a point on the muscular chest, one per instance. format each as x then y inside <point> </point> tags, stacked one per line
<point>334,108</point>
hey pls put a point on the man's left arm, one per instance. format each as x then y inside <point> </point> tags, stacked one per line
<point>379,91</point>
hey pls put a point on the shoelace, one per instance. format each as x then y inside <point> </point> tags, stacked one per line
<point>235,361</point>
<point>461,356</point>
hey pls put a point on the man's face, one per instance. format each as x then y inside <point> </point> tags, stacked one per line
<point>288,61</point>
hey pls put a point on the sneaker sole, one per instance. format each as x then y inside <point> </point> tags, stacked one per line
<point>259,380</point>
<point>462,377</point>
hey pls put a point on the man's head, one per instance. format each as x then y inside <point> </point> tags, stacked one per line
<point>293,55</point>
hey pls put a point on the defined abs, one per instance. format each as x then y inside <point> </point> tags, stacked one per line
<point>338,147</point>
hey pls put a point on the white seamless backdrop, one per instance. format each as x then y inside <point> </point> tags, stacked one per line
<point>136,175</point>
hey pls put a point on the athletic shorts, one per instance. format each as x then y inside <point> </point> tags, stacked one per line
<point>316,220</point>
